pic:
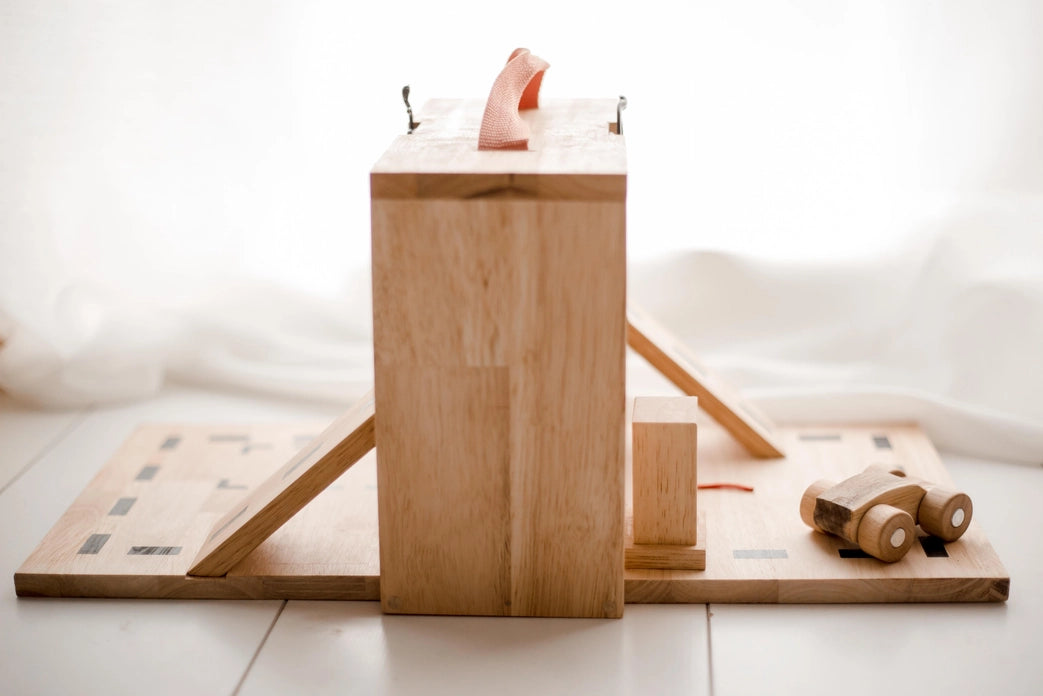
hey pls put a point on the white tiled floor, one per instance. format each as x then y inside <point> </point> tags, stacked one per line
<point>326,647</point>
<point>159,647</point>
<point>25,434</point>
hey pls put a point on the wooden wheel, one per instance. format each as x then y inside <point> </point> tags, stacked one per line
<point>945,514</point>
<point>807,502</point>
<point>886,532</point>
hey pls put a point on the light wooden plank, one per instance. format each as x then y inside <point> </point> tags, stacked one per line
<point>664,466</point>
<point>568,416</point>
<point>455,417</point>
<point>666,556</point>
<point>318,464</point>
<point>758,549</point>
<point>670,356</point>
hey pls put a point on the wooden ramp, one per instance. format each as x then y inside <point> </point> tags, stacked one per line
<point>138,527</point>
<point>669,354</point>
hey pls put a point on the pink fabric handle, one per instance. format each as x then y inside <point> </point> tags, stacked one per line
<point>517,87</point>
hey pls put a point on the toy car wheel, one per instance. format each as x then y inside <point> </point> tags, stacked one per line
<point>886,532</point>
<point>945,514</point>
<point>807,502</point>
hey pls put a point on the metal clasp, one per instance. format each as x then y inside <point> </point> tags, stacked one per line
<point>409,110</point>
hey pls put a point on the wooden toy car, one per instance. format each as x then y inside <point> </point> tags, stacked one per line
<point>878,509</point>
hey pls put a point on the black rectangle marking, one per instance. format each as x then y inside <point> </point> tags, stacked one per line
<point>229,438</point>
<point>122,506</point>
<point>933,547</point>
<point>147,473</point>
<point>759,553</point>
<point>171,442</point>
<point>820,437</point>
<point>853,553</point>
<point>882,442</point>
<point>93,544</point>
<point>154,551</point>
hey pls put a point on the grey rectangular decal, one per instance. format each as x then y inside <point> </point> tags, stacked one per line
<point>154,551</point>
<point>229,438</point>
<point>820,437</point>
<point>147,473</point>
<point>122,506</point>
<point>171,442</point>
<point>882,442</point>
<point>93,544</point>
<point>759,553</point>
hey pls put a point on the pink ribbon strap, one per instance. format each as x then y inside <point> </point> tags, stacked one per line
<point>516,87</point>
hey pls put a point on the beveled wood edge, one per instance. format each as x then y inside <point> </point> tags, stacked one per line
<point>577,187</point>
<point>639,588</point>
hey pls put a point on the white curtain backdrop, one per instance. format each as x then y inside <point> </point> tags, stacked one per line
<point>838,204</point>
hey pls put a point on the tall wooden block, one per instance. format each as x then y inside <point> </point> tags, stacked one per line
<point>664,461</point>
<point>499,291</point>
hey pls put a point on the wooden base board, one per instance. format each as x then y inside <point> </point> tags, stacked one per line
<point>136,528</point>
<point>665,556</point>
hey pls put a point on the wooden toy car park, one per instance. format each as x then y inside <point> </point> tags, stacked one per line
<point>500,421</point>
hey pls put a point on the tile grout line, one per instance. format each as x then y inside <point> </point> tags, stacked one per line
<point>46,449</point>
<point>257,653</point>
<point>709,649</point>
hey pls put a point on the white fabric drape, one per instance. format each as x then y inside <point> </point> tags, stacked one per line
<point>838,204</point>
<point>947,333</point>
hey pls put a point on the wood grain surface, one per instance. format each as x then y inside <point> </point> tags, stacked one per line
<point>666,556</point>
<point>511,311</point>
<point>664,465</point>
<point>757,547</point>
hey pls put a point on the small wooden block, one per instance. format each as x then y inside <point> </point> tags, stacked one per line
<point>675,361</point>
<point>665,484</point>
<point>318,464</point>
<point>667,556</point>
